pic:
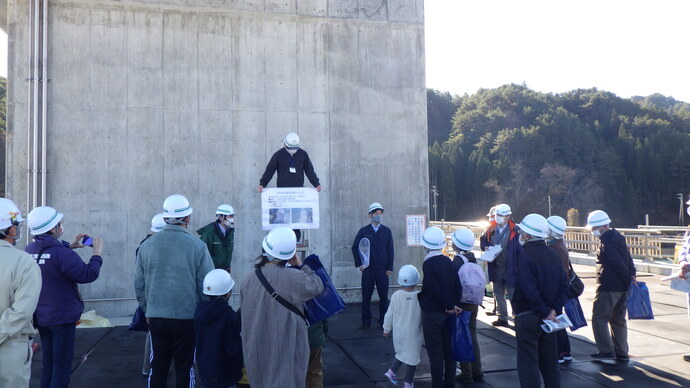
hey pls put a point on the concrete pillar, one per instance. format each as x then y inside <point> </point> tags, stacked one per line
<point>150,98</point>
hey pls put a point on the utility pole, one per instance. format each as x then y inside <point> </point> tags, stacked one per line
<point>434,191</point>
<point>681,218</point>
<point>549,197</point>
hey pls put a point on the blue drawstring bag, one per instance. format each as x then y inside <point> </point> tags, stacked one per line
<point>639,304</point>
<point>138,321</point>
<point>327,303</point>
<point>574,311</point>
<point>460,337</point>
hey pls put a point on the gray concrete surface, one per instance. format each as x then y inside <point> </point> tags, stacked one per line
<point>149,98</point>
<point>356,358</point>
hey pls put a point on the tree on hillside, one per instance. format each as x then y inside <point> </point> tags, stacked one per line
<point>585,149</point>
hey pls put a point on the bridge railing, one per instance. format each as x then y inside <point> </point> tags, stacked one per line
<point>647,242</point>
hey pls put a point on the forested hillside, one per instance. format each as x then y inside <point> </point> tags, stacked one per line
<point>586,149</point>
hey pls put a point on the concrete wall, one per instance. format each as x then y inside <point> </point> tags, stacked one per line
<point>150,98</point>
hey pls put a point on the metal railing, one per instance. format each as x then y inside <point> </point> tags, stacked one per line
<point>646,242</point>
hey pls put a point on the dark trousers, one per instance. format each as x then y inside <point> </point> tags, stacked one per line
<point>473,368</point>
<point>563,343</point>
<point>57,345</point>
<point>172,339</point>
<point>371,278</point>
<point>437,340</point>
<point>535,347</point>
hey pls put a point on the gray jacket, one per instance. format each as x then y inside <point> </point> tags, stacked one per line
<point>170,270</point>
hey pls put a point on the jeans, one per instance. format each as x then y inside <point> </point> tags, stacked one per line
<point>57,344</point>
<point>409,371</point>
<point>371,277</point>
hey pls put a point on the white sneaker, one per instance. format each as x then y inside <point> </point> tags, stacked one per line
<point>409,385</point>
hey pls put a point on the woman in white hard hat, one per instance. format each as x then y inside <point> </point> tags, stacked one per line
<point>274,336</point>
<point>59,305</point>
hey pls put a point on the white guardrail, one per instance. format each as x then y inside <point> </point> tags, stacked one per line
<point>646,242</point>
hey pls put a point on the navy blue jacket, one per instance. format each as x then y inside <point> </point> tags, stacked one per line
<point>61,270</point>
<point>381,253</point>
<point>441,289</point>
<point>542,285</point>
<point>218,343</point>
<point>281,161</point>
<point>614,263</point>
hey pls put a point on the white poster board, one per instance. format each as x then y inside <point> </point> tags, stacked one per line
<point>294,207</point>
<point>415,228</point>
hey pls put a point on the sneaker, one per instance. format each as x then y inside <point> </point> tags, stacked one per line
<point>408,385</point>
<point>561,360</point>
<point>568,357</point>
<point>391,377</point>
<point>686,357</point>
<point>465,379</point>
<point>603,355</point>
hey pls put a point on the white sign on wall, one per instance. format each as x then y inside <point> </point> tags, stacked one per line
<point>416,224</point>
<point>294,207</point>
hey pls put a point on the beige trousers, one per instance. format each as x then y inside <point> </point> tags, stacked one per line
<point>15,362</point>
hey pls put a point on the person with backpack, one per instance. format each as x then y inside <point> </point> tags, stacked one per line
<point>473,283</point>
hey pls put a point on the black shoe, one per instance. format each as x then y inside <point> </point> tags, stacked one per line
<point>603,355</point>
<point>478,377</point>
<point>365,325</point>
<point>500,322</point>
<point>686,357</point>
<point>492,313</point>
<point>621,357</point>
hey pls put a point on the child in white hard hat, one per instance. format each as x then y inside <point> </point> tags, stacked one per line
<point>404,319</point>
<point>217,334</point>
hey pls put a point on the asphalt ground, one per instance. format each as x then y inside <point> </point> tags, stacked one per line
<point>112,357</point>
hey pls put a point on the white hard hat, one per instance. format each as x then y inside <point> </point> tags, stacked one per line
<point>43,219</point>
<point>463,239</point>
<point>157,223</point>
<point>408,275</point>
<point>503,210</point>
<point>598,218</point>
<point>225,209</point>
<point>375,206</point>
<point>218,282</point>
<point>434,238</point>
<point>176,206</point>
<point>535,225</point>
<point>9,214</point>
<point>492,211</point>
<point>557,225</point>
<point>291,140</point>
<point>280,243</point>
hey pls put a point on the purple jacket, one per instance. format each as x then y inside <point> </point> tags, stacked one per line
<point>61,269</point>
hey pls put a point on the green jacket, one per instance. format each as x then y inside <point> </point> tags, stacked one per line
<point>219,247</point>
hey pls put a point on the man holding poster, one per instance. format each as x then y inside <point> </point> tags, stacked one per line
<point>291,163</point>
<point>373,253</point>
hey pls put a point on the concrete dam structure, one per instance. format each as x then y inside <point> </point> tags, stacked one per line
<point>113,105</point>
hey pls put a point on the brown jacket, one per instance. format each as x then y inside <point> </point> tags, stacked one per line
<point>562,251</point>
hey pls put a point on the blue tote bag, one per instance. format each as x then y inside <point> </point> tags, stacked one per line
<point>329,301</point>
<point>574,311</point>
<point>638,303</point>
<point>460,337</point>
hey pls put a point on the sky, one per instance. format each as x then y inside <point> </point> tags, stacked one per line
<point>629,47</point>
